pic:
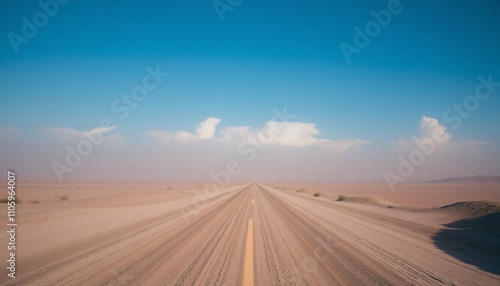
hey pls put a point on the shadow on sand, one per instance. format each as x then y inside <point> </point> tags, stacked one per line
<point>475,241</point>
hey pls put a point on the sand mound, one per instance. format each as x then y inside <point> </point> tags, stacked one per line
<point>473,208</point>
<point>364,201</point>
<point>303,191</point>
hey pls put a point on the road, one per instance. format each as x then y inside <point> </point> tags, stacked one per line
<point>256,235</point>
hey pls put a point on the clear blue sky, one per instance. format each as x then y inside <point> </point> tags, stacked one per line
<point>264,54</point>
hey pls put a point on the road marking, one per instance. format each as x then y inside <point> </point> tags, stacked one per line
<point>253,201</point>
<point>248,270</point>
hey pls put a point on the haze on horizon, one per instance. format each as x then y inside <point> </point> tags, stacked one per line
<point>170,91</point>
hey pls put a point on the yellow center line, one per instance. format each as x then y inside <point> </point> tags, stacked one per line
<point>248,269</point>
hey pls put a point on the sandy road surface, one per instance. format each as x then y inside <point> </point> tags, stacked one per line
<point>255,235</point>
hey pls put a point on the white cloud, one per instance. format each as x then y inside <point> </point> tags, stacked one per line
<point>273,133</point>
<point>430,128</point>
<point>205,130</point>
<point>161,137</point>
<point>234,133</point>
<point>341,146</point>
<point>295,134</point>
<point>291,134</point>
<point>431,131</point>
<point>66,135</point>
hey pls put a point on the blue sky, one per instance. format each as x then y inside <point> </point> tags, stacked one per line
<point>261,56</point>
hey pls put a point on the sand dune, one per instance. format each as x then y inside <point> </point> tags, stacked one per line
<point>363,200</point>
<point>474,208</point>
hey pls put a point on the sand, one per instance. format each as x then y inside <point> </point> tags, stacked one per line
<point>255,234</point>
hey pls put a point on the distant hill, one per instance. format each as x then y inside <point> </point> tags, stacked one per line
<point>464,180</point>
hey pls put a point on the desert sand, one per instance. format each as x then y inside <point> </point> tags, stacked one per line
<point>255,234</point>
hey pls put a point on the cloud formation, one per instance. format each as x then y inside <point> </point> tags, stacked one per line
<point>430,130</point>
<point>272,133</point>
<point>205,130</point>
<point>291,134</point>
<point>67,135</point>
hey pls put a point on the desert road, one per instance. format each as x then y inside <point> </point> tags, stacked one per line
<point>255,235</point>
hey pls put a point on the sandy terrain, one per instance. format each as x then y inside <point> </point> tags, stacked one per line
<point>253,234</point>
<point>409,195</point>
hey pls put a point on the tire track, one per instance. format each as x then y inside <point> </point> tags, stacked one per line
<point>343,266</point>
<point>108,251</point>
